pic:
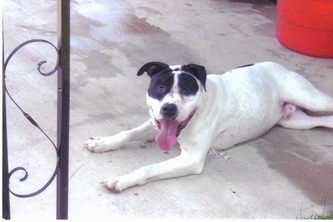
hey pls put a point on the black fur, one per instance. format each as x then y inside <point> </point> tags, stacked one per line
<point>198,71</point>
<point>153,68</point>
<point>160,85</point>
<point>187,85</point>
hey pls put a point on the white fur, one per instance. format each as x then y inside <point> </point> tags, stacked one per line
<point>239,105</point>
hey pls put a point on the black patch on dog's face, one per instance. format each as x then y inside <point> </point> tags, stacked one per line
<point>187,85</point>
<point>160,85</point>
<point>198,71</point>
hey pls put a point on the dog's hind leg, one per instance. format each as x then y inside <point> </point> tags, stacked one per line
<point>295,118</point>
<point>143,132</point>
<point>302,93</point>
<point>305,106</point>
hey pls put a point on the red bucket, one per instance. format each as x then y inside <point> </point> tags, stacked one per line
<point>306,26</point>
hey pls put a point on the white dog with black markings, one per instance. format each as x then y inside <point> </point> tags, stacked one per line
<point>193,108</point>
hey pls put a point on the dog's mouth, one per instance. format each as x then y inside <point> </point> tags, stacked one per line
<point>169,131</point>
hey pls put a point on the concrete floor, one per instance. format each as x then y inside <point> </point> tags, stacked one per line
<point>283,174</point>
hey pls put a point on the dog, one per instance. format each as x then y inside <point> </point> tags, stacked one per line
<point>192,108</point>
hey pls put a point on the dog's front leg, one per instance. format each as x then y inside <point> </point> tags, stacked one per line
<point>143,132</point>
<point>184,164</point>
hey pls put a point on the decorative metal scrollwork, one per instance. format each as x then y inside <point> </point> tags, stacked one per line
<point>30,119</point>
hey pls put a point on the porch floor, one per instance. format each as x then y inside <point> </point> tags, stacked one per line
<point>283,174</point>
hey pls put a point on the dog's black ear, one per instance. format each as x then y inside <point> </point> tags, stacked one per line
<point>198,71</point>
<point>152,68</point>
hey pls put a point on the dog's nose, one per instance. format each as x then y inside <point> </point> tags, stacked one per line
<point>169,111</point>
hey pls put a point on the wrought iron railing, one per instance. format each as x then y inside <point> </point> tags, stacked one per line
<point>29,118</point>
<point>62,67</point>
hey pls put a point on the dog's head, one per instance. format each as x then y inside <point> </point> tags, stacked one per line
<point>173,96</point>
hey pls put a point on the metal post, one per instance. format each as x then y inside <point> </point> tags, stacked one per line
<point>5,176</point>
<point>63,107</point>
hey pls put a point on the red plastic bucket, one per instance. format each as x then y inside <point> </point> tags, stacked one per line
<point>306,26</point>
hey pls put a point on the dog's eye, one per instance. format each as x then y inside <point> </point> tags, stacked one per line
<point>185,91</point>
<point>161,89</point>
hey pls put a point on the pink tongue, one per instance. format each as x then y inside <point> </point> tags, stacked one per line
<point>167,137</point>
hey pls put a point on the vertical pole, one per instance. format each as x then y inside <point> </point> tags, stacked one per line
<point>5,176</point>
<point>63,107</point>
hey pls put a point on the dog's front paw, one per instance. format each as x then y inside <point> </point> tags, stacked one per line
<point>117,184</point>
<point>102,144</point>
